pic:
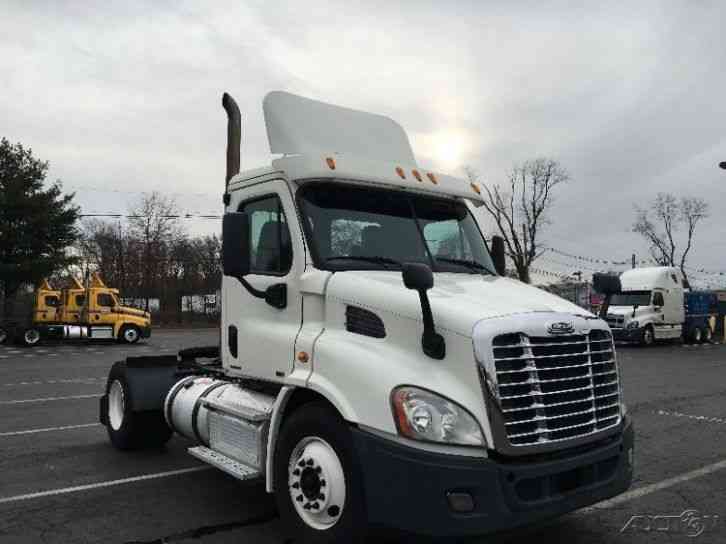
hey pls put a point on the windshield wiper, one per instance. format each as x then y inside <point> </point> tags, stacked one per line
<point>472,265</point>
<point>373,259</point>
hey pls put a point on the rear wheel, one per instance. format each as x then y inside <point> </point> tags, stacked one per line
<point>318,490</point>
<point>696,335</point>
<point>129,334</point>
<point>707,335</point>
<point>31,337</point>
<point>129,430</point>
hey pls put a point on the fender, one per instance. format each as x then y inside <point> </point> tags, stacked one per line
<point>278,410</point>
<point>150,379</point>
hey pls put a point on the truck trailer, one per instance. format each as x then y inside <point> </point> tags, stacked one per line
<point>656,303</point>
<point>376,365</point>
<point>78,312</point>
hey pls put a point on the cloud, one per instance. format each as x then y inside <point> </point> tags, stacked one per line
<point>628,96</point>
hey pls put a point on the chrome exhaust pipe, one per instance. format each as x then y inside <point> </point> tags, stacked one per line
<point>234,140</point>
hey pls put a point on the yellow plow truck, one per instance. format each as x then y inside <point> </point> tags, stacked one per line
<point>93,312</point>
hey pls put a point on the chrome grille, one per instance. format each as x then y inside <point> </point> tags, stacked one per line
<point>556,388</point>
<point>615,321</point>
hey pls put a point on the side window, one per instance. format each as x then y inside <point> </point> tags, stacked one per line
<point>80,300</point>
<point>658,299</point>
<point>104,299</point>
<point>51,300</point>
<point>446,240</point>
<point>271,250</point>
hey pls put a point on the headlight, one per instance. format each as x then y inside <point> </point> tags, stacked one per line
<point>422,415</point>
<point>633,325</point>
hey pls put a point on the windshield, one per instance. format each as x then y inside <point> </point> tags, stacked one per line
<point>631,298</point>
<point>354,228</point>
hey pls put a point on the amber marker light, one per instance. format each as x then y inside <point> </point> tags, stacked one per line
<point>475,188</point>
<point>331,162</point>
<point>400,172</point>
<point>432,178</point>
<point>416,174</point>
<point>303,356</point>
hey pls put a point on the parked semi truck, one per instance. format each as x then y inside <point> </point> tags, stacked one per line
<point>656,304</point>
<point>376,366</point>
<point>92,312</point>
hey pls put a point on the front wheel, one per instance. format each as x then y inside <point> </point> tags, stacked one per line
<point>318,489</point>
<point>129,430</point>
<point>129,334</point>
<point>31,337</point>
<point>707,335</point>
<point>648,336</point>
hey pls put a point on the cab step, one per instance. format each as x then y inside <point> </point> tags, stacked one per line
<point>227,464</point>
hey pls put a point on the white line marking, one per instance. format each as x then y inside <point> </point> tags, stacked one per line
<point>44,382</point>
<point>658,486</point>
<point>48,429</point>
<point>99,485</point>
<point>705,419</point>
<point>48,399</point>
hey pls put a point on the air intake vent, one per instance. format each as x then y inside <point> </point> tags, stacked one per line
<point>363,322</point>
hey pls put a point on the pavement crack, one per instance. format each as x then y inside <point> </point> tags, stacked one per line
<point>208,530</point>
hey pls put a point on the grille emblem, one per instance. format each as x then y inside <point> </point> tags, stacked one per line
<point>561,327</point>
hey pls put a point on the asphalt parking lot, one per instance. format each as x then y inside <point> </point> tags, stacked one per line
<point>61,481</point>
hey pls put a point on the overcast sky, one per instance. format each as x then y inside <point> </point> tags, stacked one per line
<point>630,98</point>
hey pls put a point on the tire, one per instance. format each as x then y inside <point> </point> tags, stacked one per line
<point>129,334</point>
<point>696,335</point>
<point>129,430</point>
<point>706,335</point>
<point>307,495</point>
<point>31,337</point>
<point>4,335</point>
<point>647,337</point>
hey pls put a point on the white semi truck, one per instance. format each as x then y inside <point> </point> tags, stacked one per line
<point>376,367</point>
<point>656,303</point>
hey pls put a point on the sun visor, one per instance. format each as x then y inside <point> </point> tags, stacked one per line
<point>301,126</point>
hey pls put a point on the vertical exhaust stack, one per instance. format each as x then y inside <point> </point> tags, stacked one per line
<point>234,140</point>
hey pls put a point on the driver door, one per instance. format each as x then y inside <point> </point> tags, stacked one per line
<point>257,338</point>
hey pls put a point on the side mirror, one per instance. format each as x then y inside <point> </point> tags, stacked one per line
<point>498,256</point>
<point>236,244</point>
<point>418,276</point>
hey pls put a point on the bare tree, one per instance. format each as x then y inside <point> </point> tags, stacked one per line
<point>660,222</point>
<point>154,222</point>
<point>520,208</point>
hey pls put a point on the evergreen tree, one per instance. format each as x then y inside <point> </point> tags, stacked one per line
<point>37,222</point>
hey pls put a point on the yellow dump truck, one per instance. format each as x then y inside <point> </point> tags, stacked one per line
<point>93,312</point>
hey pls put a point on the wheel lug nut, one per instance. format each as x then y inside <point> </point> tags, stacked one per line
<point>299,498</point>
<point>333,511</point>
<point>321,497</point>
<point>322,483</point>
<point>310,462</point>
<point>296,485</point>
<point>301,463</point>
<point>318,470</point>
<point>296,472</point>
<point>315,506</point>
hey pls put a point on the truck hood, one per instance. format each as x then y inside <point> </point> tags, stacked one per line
<point>458,301</point>
<point>132,311</point>
<point>627,311</point>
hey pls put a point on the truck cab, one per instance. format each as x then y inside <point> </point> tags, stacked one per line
<point>375,366</point>
<point>47,303</point>
<point>650,306</point>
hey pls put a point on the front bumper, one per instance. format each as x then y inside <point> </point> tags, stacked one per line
<point>627,335</point>
<point>409,489</point>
